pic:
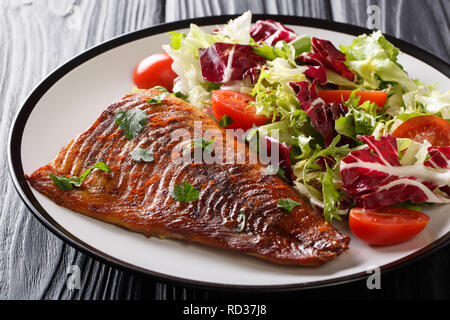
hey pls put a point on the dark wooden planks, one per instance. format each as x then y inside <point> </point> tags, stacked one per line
<point>41,35</point>
<point>423,23</point>
<point>37,36</point>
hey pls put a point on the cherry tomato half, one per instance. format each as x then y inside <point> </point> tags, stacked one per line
<point>432,128</point>
<point>236,105</point>
<point>386,226</point>
<point>379,97</point>
<point>155,70</point>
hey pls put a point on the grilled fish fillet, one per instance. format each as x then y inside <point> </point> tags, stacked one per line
<point>136,195</point>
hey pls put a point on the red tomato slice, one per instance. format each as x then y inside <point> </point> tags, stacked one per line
<point>379,97</point>
<point>432,128</point>
<point>155,70</point>
<point>236,105</point>
<point>386,226</point>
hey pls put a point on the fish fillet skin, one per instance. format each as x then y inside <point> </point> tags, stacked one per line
<point>136,195</point>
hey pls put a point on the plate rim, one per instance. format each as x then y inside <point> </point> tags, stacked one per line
<point>21,185</point>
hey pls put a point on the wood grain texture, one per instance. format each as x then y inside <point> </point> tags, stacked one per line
<point>38,36</point>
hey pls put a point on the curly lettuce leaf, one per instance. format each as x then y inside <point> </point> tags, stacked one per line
<point>374,59</point>
<point>331,196</point>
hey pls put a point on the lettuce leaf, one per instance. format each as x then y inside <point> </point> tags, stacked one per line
<point>427,99</point>
<point>184,50</point>
<point>374,59</point>
<point>359,120</point>
<point>237,30</point>
<point>274,96</point>
<point>331,196</point>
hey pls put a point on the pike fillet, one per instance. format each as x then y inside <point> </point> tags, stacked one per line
<point>137,195</point>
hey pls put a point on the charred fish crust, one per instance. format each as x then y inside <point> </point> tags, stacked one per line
<point>236,207</point>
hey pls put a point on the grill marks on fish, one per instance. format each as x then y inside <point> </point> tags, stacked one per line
<point>136,195</point>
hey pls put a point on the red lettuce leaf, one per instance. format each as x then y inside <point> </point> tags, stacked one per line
<point>374,177</point>
<point>326,55</point>
<point>317,72</point>
<point>322,115</point>
<point>270,32</point>
<point>224,62</point>
<point>284,156</point>
<point>439,159</point>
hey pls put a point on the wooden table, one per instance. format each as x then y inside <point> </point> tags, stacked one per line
<point>36,36</point>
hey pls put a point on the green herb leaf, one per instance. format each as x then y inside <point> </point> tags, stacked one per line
<point>175,39</point>
<point>287,204</point>
<point>67,184</point>
<point>101,166</point>
<point>331,197</point>
<point>202,143</point>
<point>241,224</point>
<point>210,86</point>
<point>131,121</point>
<point>185,192</point>
<point>160,97</point>
<point>271,170</point>
<point>225,121</point>
<point>142,154</point>
<point>181,96</point>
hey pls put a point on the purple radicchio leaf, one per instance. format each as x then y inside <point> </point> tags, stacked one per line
<point>322,115</point>
<point>374,177</point>
<point>284,156</point>
<point>270,32</point>
<point>224,62</point>
<point>439,159</point>
<point>325,55</point>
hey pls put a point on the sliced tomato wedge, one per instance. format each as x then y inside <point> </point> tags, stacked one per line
<point>379,97</point>
<point>386,226</point>
<point>236,105</point>
<point>434,129</point>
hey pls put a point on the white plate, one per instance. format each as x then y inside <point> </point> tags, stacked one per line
<point>72,98</point>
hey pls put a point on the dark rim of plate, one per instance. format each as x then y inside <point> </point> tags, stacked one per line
<point>24,190</point>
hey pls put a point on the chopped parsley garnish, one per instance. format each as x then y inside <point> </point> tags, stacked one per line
<point>287,204</point>
<point>225,121</point>
<point>210,86</point>
<point>67,184</point>
<point>160,97</point>
<point>241,224</point>
<point>202,143</point>
<point>180,95</point>
<point>271,170</point>
<point>142,154</point>
<point>131,121</point>
<point>185,192</point>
